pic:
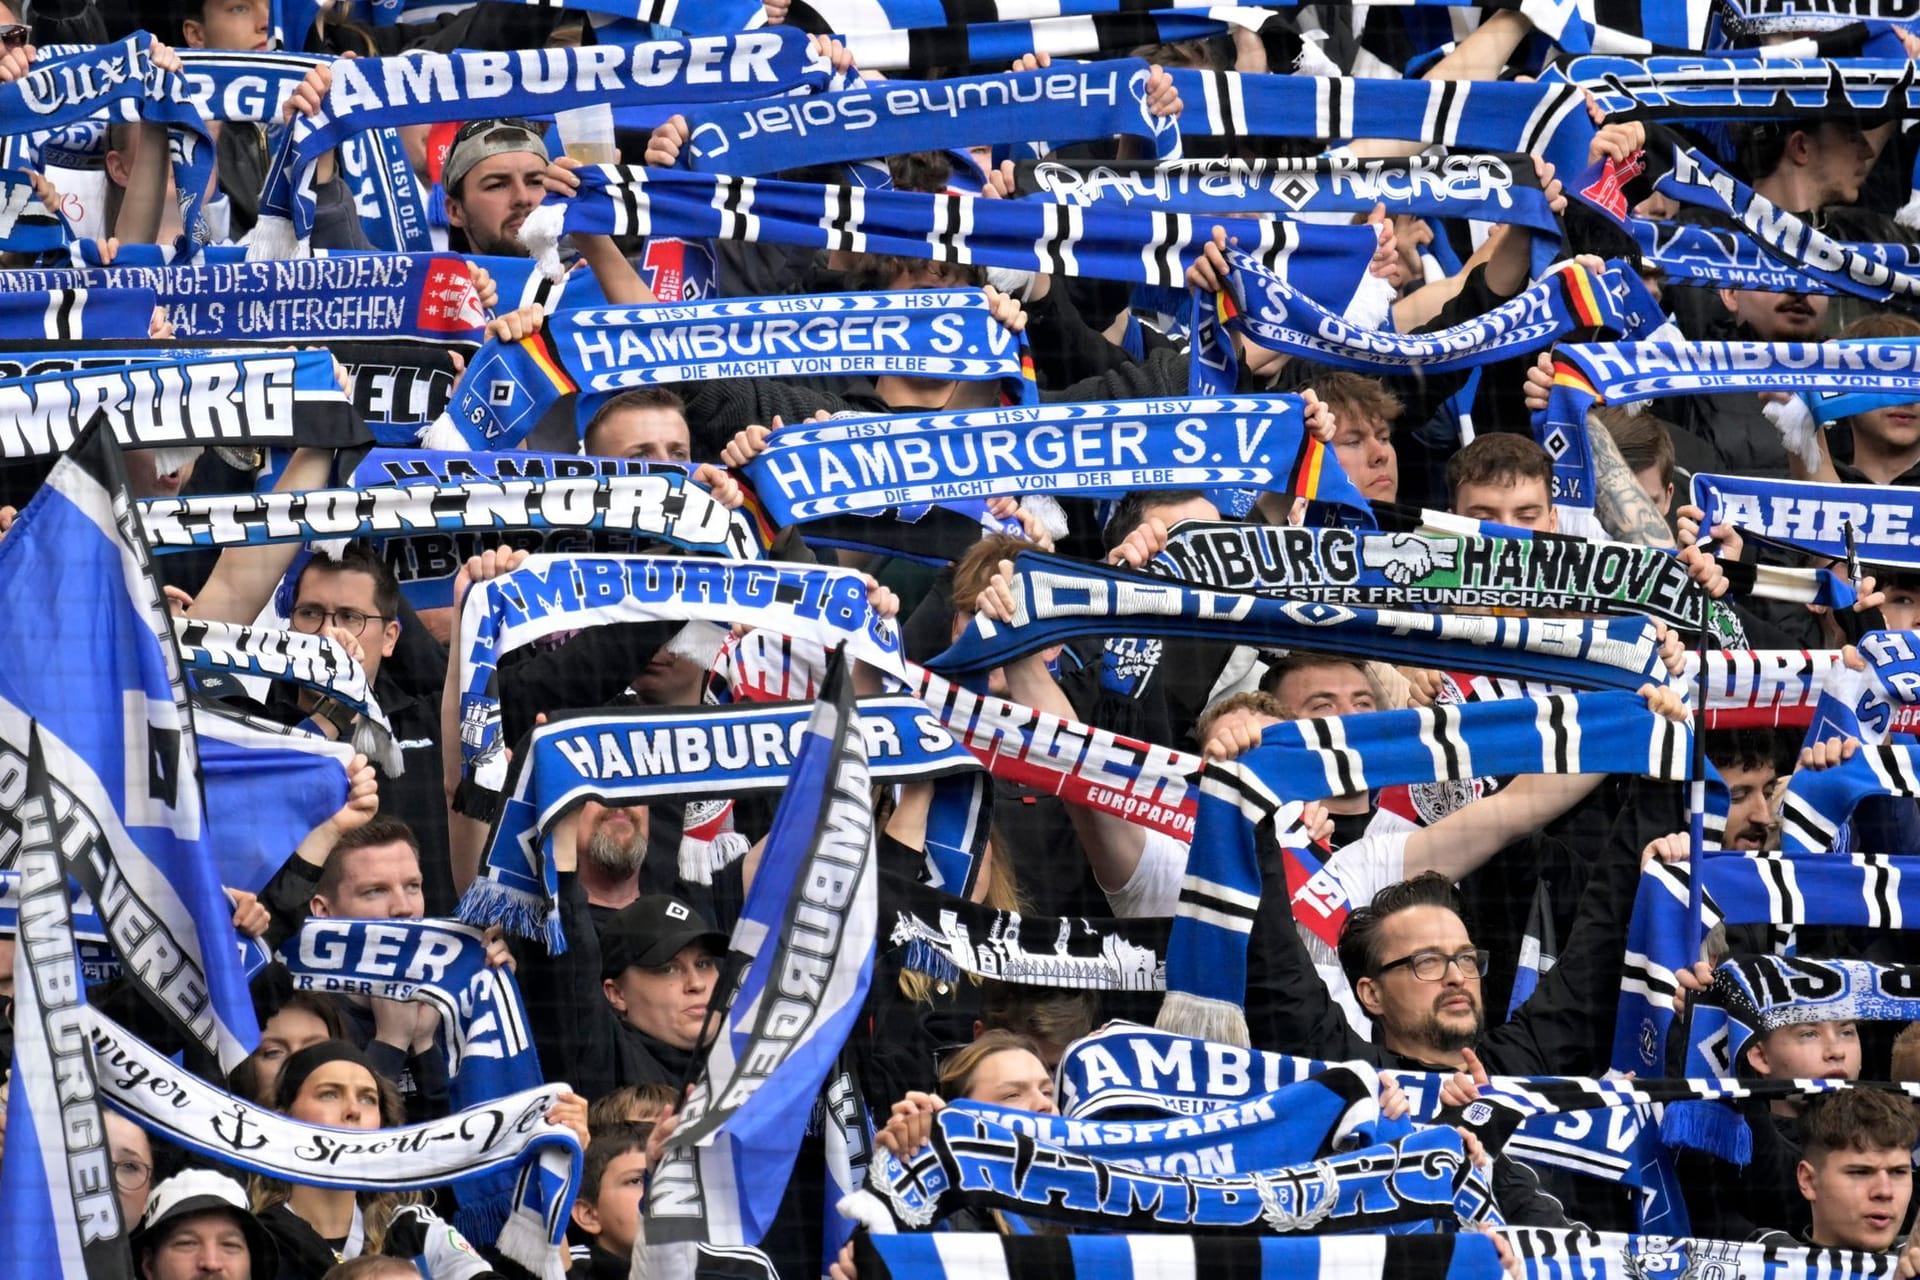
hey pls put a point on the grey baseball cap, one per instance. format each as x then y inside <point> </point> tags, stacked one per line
<point>480,139</point>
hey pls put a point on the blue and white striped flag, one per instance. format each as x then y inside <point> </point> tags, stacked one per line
<point>87,652</point>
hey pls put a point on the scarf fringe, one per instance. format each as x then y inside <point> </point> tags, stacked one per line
<point>923,957</point>
<point>1371,305</point>
<point>1189,1015</point>
<point>701,860</point>
<point>541,234</point>
<point>377,745</point>
<point>167,461</point>
<point>1711,1127</point>
<point>1794,421</point>
<point>273,240</point>
<point>441,434</point>
<point>1048,511</point>
<point>1909,213</point>
<point>521,1240</point>
<point>522,914</point>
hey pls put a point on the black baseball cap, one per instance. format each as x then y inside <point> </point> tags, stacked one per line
<point>653,930</point>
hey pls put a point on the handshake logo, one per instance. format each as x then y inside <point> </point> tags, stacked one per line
<point>1407,557</point>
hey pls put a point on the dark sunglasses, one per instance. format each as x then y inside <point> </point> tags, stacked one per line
<point>13,35</point>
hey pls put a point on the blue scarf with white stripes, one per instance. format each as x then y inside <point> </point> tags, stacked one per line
<point>383,92</point>
<point>1879,522</point>
<point>1146,247</point>
<point>489,1048</point>
<point>1818,801</point>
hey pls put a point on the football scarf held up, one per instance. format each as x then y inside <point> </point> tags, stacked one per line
<point>552,593</point>
<point>1730,87</point>
<point>1546,1254</point>
<point>1268,1165</point>
<point>1106,449</point>
<point>425,296</point>
<point>1057,599</point>
<point>945,935</point>
<point>1879,522</point>
<point>26,224</point>
<point>961,1255</point>
<point>1818,801</point>
<point>87,658</point>
<point>1146,247</point>
<point>917,333</point>
<point>1753,995</point>
<point>638,757</point>
<point>1357,567</point>
<point>1270,313</point>
<point>272,399</point>
<point>1080,102</point>
<point>507,1134</point>
<point>380,92</point>
<point>490,1053</point>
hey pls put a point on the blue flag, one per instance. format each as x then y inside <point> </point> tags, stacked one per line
<point>87,651</point>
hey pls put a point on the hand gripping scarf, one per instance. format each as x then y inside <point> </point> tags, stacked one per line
<point>1313,1158</point>
<point>428,297</point>
<point>1818,801</point>
<point>490,1053</point>
<point>507,1134</point>
<point>1841,889</point>
<point>1057,599</point>
<point>919,333</point>
<point>1877,524</point>
<point>267,786</point>
<point>1272,314</point>
<point>1360,567</point>
<point>370,93</point>
<point>273,398</point>
<point>26,224</point>
<point>1878,701</point>
<point>317,662</point>
<point>1106,449</point>
<point>548,594</point>
<point>1145,247</point>
<point>1071,103</point>
<point>637,757</point>
<point>961,1255</point>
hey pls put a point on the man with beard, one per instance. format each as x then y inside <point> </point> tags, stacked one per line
<point>613,845</point>
<point>494,177</point>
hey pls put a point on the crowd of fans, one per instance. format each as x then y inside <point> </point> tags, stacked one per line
<point>1440,885</point>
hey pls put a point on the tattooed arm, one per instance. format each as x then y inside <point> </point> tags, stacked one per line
<point>1621,504</point>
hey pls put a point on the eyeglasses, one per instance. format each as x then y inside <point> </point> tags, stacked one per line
<point>13,35</point>
<point>311,617</point>
<point>131,1175</point>
<point>1431,966</point>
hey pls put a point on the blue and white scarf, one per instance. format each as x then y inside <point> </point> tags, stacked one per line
<point>1730,87</point>
<point>382,92</point>
<point>273,398</point>
<point>1056,599</point>
<point>1107,449</point>
<point>507,1135</point>
<point>26,224</point>
<point>317,662</point>
<point>56,1184</point>
<point>490,1053</point>
<point>916,333</point>
<point>1819,801</point>
<point>267,786</point>
<point>1878,522</point>
<point>1270,313</point>
<point>926,50</point>
<point>803,952</point>
<point>672,754</point>
<point>962,1255</point>
<point>1273,1164</point>
<point>71,313</point>
<point>549,594</point>
<point>1581,1254</point>
<point>1843,267</point>
<point>1722,258</point>
<point>1110,244</point>
<point>1081,102</point>
<point>424,296</point>
<point>1753,995</point>
<point>88,663</point>
<point>1842,889</point>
